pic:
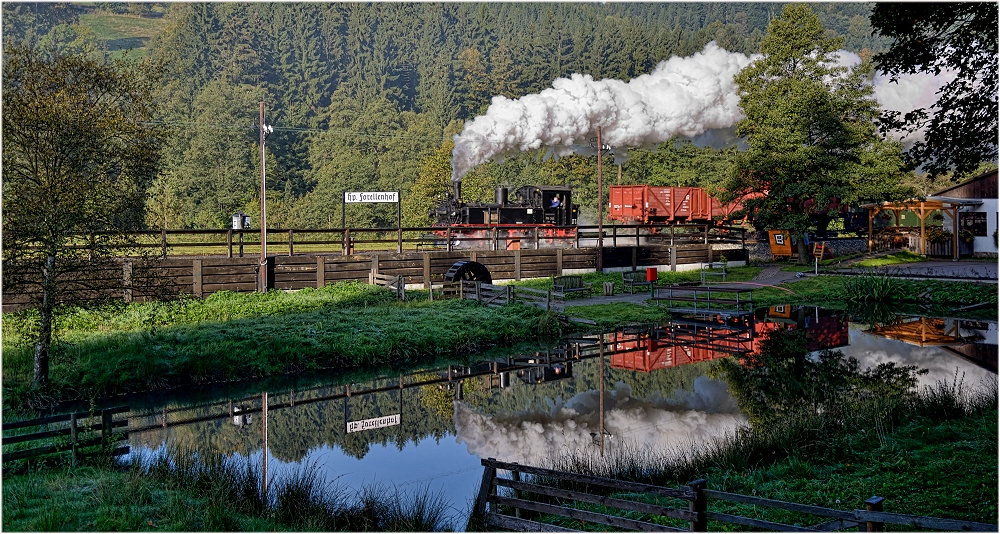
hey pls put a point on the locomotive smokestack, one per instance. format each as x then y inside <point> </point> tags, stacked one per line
<point>500,196</point>
<point>456,186</point>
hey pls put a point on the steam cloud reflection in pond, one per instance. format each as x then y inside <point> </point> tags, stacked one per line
<point>540,435</point>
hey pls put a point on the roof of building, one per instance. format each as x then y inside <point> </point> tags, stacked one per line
<point>982,186</point>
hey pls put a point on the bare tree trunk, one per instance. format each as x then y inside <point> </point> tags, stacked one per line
<point>803,250</point>
<point>41,374</point>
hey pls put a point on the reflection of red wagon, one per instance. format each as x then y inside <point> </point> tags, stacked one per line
<point>507,236</point>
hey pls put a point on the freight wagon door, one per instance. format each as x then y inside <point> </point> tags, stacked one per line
<point>660,207</point>
<point>627,203</point>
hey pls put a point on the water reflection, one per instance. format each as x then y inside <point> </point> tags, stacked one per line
<point>432,427</point>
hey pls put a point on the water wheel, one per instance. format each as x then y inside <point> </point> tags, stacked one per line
<point>468,270</point>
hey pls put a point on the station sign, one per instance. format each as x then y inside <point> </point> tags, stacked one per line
<point>370,197</point>
<point>370,424</point>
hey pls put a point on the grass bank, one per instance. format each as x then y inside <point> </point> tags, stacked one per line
<point>186,496</point>
<point>228,336</point>
<point>932,453</point>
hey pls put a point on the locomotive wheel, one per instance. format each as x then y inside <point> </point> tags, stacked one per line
<point>468,270</point>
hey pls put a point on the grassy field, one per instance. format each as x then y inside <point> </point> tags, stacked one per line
<point>122,32</point>
<point>930,453</point>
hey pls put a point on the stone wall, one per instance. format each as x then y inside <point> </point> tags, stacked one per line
<point>841,246</point>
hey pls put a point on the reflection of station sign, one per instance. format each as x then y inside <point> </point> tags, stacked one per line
<point>369,197</point>
<point>370,424</point>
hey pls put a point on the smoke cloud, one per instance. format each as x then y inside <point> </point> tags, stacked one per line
<point>692,97</point>
<point>681,97</point>
<point>688,419</point>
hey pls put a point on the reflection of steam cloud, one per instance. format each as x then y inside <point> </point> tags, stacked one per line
<point>871,350</point>
<point>540,435</point>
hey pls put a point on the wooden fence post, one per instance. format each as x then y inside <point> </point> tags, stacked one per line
<point>163,243</point>
<point>698,506</point>
<point>673,255</point>
<point>72,437</point>
<point>874,504</point>
<point>427,270</point>
<point>127,280</point>
<point>291,245</point>
<point>320,272</point>
<point>106,426</point>
<point>196,277</point>
<point>516,475</point>
<point>485,488</point>
<point>559,261</point>
<point>229,243</point>
<point>517,265</point>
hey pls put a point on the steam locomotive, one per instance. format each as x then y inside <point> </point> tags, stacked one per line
<point>534,205</point>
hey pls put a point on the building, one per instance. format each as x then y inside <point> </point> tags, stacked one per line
<point>980,219</point>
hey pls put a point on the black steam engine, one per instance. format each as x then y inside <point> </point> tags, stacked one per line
<point>534,205</point>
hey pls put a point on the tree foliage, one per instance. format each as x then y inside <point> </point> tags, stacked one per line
<point>811,130</point>
<point>960,129</point>
<point>78,156</point>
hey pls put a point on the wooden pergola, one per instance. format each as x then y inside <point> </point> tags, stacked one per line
<point>922,208</point>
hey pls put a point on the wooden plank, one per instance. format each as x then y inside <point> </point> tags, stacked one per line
<point>522,525</point>
<point>634,506</point>
<point>582,515</point>
<point>489,474</point>
<point>624,485</point>
<point>757,523</point>
<point>836,524</point>
<point>916,521</point>
<point>790,506</point>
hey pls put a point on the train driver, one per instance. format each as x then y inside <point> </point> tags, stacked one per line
<point>555,202</point>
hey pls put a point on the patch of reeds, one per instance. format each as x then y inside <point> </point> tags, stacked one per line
<point>870,286</point>
<point>299,500</point>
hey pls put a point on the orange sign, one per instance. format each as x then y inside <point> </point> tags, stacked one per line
<point>781,243</point>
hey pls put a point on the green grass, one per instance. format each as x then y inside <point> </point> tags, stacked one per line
<point>734,274</point>
<point>120,32</point>
<point>186,496</point>
<point>896,258</point>
<point>933,455</point>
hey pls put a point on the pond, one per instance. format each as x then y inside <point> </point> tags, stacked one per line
<point>429,429</point>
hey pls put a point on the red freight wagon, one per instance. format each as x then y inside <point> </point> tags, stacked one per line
<point>650,204</point>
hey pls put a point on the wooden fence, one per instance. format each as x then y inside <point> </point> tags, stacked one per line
<point>496,296</point>
<point>643,507</point>
<point>71,432</point>
<point>202,276</point>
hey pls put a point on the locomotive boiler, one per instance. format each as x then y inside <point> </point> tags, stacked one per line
<point>539,216</point>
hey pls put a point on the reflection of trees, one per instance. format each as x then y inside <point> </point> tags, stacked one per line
<point>426,412</point>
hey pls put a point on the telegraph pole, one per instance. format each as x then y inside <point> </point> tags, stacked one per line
<point>600,207</point>
<point>264,130</point>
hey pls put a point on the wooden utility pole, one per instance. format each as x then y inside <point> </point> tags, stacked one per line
<point>600,208</point>
<point>263,207</point>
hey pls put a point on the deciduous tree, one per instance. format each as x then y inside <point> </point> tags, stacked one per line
<point>78,156</point>
<point>961,128</point>
<point>811,130</point>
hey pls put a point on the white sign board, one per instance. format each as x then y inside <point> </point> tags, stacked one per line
<point>369,424</point>
<point>367,197</point>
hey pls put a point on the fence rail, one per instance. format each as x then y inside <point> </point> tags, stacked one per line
<point>560,493</point>
<point>73,432</point>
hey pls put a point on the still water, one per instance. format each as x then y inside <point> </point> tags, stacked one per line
<point>430,429</point>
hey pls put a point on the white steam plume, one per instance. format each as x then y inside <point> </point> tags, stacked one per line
<point>681,97</point>
<point>538,436</point>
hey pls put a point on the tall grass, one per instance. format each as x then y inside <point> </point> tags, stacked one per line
<point>872,286</point>
<point>179,492</point>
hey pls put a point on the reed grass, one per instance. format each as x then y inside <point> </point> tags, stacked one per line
<point>178,492</point>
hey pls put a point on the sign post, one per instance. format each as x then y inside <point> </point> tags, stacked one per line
<point>372,197</point>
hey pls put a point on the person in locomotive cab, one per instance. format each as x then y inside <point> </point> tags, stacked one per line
<point>555,202</point>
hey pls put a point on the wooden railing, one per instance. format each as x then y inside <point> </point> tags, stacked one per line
<point>348,240</point>
<point>496,296</point>
<point>530,493</point>
<point>71,432</point>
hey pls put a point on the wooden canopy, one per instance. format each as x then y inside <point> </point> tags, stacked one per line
<point>922,208</point>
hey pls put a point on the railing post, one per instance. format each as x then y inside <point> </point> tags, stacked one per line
<point>72,436</point>
<point>229,243</point>
<point>106,426</point>
<point>291,246</point>
<point>698,506</point>
<point>347,242</point>
<point>874,504</point>
<point>163,243</point>
<point>448,238</point>
<point>485,488</point>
